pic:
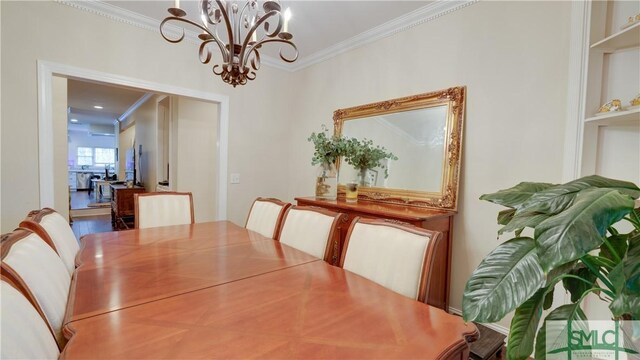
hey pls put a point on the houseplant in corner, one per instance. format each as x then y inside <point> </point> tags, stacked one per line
<point>362,155</point>
<point>327,151</point>
<point>574,242</point>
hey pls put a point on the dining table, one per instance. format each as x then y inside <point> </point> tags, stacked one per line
<point>217,290</point>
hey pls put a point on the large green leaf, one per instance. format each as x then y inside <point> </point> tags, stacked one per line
<point>578,287</point>
<point>619,245</point>
<point>505,216</point>
<point>522,221</point>
<point>557,198</point>
<point>524,326</point>
<point>515,196</point>
<point>507,277</point>
<point>569,312</point>
<point>580,228</point>
<point>626,280</point>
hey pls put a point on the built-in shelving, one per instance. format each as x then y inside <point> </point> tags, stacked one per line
<point>627,38</point>
<point>629,117</point>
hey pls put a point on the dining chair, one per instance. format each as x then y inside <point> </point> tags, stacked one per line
<point>398,256</point>
<point>265,216</point>
<point>54,229</point>
<point>37,271</point>
<point>25,334</point>
<point>154,209</point>
<point>312,230</point>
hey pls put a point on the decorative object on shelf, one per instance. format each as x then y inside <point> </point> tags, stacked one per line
<point>574,242</point>
<point>632,20</point>
<point>635,102</point>
<point>246,29</point>
<point>364,157</point>
<point>351,195</point>
<point>327,151</point>
<point>613,105</point>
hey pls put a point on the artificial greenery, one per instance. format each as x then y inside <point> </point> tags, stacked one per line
<point>362,155</point>
<point>569,222</point>
<point>327,148</point>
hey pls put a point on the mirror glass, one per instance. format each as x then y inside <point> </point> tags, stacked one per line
<point>423,132</point>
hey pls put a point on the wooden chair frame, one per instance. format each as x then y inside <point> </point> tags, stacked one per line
<point>429,255</point>
<point>331,255</point>
<point>136,209</point>
<point>284,205</point>
<point>10,276</point>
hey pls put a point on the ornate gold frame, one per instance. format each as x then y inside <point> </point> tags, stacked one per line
<point>447,198</point>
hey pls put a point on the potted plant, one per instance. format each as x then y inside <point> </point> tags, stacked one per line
<point>574,242</point>
<point>328,149</point>
<point>362,155</point>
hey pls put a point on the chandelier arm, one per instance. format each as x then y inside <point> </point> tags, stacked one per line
<point>288,42</point>
<point>223,10</point>
<point>255,61</point>
<point>174,41</point>
<point>244,55</point>
<point>223,50</point>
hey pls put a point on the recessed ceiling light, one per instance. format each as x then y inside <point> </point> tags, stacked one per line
<point>74,120</point>
<point>97,107</point>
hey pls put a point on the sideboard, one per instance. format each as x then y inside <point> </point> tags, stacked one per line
<point>432,219</point>
<point>122,206</point>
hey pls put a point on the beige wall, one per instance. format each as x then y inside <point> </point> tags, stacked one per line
<point>145,136</point>
<point>85,40</point>
<point>125,142</point>
<point>515,70</point>
<point>196,165</point>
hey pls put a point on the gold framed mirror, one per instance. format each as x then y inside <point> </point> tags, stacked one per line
<point>424,132</point>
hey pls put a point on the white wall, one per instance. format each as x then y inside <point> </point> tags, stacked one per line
<point>513,58</point>
<point>82,39</point>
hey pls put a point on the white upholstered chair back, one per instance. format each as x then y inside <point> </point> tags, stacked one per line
<point>25,335</point>
<point>265,216</point>
<point>55,230</point>
<point>32,264</point>
<point>395,256</point>
<point>163,209</point>
<point>312,230</point>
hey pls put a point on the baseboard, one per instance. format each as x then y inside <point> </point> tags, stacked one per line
<point>90,212</point>
<point>499,328</point>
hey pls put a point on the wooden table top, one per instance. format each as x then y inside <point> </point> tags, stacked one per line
<point>121,269</point>
<point>216,290</point>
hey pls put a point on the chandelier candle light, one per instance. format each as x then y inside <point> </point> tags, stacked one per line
<point>246,29</point>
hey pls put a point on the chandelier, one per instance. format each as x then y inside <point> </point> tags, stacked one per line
<point>246,28</point>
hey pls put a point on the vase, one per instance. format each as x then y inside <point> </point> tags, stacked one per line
<point>327,181</point>
<point>363,179</point>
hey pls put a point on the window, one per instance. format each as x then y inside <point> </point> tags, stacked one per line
<point>96,156</point>
<point>105,156</point>
<point>85,156</point>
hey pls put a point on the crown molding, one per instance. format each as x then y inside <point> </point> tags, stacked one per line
<point>422,15</point>
<point>417,17</point>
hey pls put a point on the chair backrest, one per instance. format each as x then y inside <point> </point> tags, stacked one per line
<point>396,256</point>
<point>265,216</point>
<point>25,334</point>
<point>55,230</point>
<point>36,270</point>
<point>155,209</point>
<point>312,230</point>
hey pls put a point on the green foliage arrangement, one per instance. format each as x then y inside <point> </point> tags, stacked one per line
<point>327,148</point>
<point>569,222</point>
<point>362,155</point>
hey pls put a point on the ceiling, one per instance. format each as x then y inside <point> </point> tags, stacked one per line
<point>82,96</point>
<point>316,25</point>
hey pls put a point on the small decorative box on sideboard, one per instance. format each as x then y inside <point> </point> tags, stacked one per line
<point>122,206</point>
<point>432,219</point>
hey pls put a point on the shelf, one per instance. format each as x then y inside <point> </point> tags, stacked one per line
<point>630,117</point>
<point>627,38</point>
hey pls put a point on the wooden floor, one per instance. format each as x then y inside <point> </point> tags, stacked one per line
<point>91,224</point>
